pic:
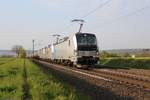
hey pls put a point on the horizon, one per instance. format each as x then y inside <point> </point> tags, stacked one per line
<point>99,49</point>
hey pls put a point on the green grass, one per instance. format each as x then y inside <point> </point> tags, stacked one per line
<point>45,86</point>
<point>11,81</point>
<point>5,60</point>
<point>139,63</point>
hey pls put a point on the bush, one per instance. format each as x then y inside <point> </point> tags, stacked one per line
<point>127,62</point>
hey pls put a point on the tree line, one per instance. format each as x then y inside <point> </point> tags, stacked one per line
<point>105,54</point>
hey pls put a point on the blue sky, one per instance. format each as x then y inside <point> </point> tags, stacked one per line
<point>24,20</point>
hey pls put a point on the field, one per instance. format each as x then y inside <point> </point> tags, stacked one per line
<point>139,63</point>
<point>22,79</point>
<point>5,60</point>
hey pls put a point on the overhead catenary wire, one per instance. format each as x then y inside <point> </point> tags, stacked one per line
<point>89,13</point>
<point>98,7</point>
<point>124,16</point>
<point>114,20</point>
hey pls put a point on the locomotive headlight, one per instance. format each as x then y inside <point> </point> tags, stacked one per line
<point>97,53</point>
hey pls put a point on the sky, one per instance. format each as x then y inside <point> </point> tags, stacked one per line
<point>118,24</point>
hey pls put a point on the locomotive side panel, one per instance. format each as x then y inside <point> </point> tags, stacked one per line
<point>61,50</point>
<point>65,50</point>
<point>72,51</point>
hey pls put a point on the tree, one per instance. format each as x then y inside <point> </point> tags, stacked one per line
<point>22,53</point>
<point>19,50</point>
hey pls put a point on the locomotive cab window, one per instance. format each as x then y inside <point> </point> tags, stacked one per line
<point>86,42</point>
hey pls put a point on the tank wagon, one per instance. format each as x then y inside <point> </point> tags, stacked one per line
<point>79,49</point>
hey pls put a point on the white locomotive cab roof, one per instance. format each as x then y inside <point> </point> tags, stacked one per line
<point>71,36</point>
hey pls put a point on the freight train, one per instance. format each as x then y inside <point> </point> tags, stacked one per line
<point>80,49</point>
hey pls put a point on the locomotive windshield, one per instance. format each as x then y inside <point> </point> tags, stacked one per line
<point>86,41</point>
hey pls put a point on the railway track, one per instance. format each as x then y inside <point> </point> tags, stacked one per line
<point>128,86</point>
<point>138,72</point>
<point>123,83</point>
<point>135,85</point>
<point>126,78</point>
<point>135,72</point>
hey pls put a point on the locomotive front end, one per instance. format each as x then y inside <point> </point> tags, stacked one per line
<point>87,49</point>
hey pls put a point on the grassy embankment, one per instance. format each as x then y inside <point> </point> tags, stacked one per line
<point>45,86</point>
<point>10,80</point>
<point>40,85</point>
<point>139,63</point>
